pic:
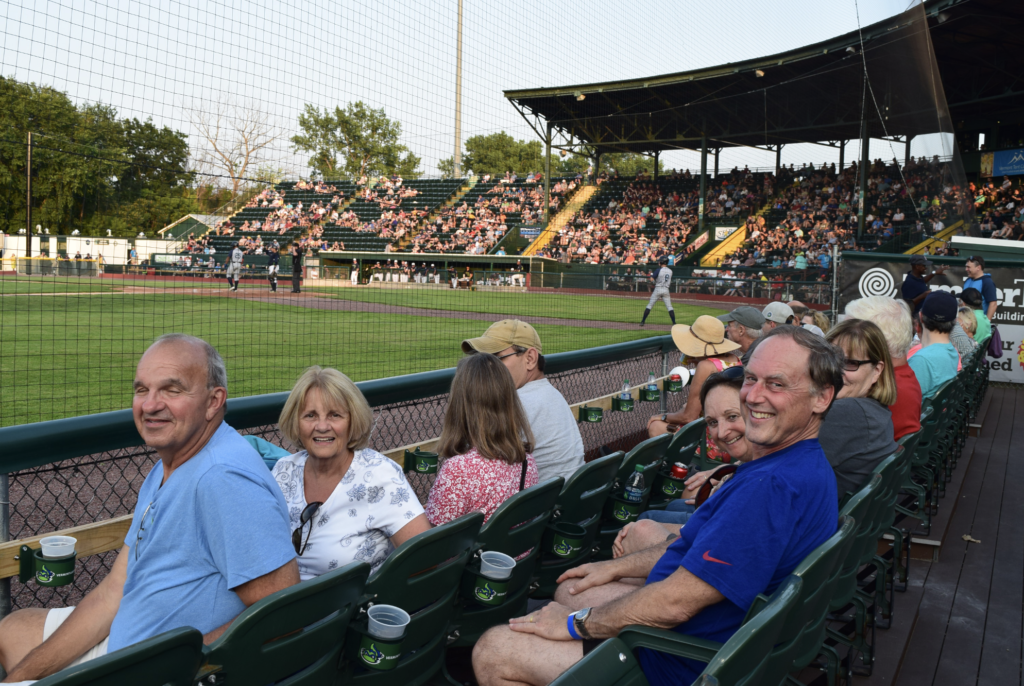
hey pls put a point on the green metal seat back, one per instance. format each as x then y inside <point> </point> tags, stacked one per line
<point>581,502</point>
<point>169,659</point>
<point>687,443</point>
<point>804,629</point>
<point>519,522</point>
<point>890,470</point>
<point>583,497</point>
<point>422,577</point>
<point>650,454</point>
<point>516,527</point>
<point>858,508</point>
<point>741,661</point>
<point>293,633</point>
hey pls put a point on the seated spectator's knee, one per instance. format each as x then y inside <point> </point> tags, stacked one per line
<point>488,653</point>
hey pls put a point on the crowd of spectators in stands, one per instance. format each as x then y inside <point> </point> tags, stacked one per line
<point>475,229</point>
<point>616,234</point>
<point>818,209</point>
<point>999,209</point>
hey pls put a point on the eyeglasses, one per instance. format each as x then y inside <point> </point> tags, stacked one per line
<point>853,365</point>
<point>305,518</point>
<point>142,527</point>
<point>518,352</point>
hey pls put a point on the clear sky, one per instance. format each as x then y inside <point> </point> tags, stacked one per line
<point>160,58</point>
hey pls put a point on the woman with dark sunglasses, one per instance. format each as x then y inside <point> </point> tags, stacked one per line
<point>857,433</point>
<point>346,501</point>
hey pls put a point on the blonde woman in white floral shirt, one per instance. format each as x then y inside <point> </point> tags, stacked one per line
<point>346,502</point>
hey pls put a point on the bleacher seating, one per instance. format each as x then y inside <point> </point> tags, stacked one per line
<point>828,610</point>
<point>477,221</point>
<point>637,220</point>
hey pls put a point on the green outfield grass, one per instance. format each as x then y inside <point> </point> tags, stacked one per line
<point>602,308</point>
<point>76,355</point>
<point>10,285</point>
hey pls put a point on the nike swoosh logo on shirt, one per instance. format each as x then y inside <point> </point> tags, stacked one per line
<point>714,559</point>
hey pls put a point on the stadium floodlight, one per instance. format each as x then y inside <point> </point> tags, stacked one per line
<point>852,50</point>
<point>579,96</point>
<point>758,73</point>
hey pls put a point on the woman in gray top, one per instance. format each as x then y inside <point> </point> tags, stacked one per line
<point>857,433</point>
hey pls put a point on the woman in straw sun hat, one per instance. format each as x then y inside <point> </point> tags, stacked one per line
<point>704,342</point>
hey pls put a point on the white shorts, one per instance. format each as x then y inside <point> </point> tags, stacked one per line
<point>56,617</point>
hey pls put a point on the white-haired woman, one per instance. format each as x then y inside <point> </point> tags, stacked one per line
<point>346,502</point>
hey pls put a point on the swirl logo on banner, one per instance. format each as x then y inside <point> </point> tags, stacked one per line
<point>876,281</point>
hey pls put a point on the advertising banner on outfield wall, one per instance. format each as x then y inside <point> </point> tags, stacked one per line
<point>863,278</point>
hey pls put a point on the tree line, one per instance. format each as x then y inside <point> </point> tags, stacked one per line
<point>93,171</point>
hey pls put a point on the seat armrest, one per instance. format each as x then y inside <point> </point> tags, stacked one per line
<point>664,641</point>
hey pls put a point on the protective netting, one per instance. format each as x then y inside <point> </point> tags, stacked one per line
<point>99,487</point>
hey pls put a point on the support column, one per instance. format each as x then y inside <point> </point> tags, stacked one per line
<point>597,165</point>
<point>28,199</point>
<point>656,154</point>
<point>778,160</point>
<point>864,141</point>
<point>906,153</point>
<point>547,175</point>
<point>717,151</point>
<point>458,98</point>
<point>703,181</point>
<point>842,156</point>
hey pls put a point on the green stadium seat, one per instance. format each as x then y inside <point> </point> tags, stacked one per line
<point>170,659</point>
<point>423,578</point>
<point>581,502</point>
<point>294,633</point>
<point>746,658</point>
<point>861,508</point>
<point>650,454</point>
<point>516,527</point>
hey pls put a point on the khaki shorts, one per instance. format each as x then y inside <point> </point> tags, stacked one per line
<point>56,617</point>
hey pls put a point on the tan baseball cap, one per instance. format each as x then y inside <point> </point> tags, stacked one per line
<point>777,312</point>
<point>502,335</point>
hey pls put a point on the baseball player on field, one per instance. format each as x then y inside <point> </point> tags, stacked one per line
<point>662,280</point>
<point>273,265</point>
<point>234,271</point>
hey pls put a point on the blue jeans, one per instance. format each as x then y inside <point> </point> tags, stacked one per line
<point>677,512</point>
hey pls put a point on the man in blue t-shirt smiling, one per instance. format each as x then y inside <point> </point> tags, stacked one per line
<point>743,541</point>
<point>210,535</point>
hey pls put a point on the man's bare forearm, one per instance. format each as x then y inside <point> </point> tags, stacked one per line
<point>664,605</point>
<point>639,564</point>
<point>88,625</point>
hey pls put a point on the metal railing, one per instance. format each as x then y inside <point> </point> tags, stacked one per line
<point>80,470</point>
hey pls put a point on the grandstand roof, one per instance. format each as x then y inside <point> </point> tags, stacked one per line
<point>812,94</point>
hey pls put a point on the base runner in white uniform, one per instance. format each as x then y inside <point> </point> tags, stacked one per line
<point>662,280</point>
<point>234,267</point>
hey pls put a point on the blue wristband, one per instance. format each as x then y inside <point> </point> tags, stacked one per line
<point>572,628</point>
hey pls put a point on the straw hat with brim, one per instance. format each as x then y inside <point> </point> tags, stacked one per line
<point>705,338</point>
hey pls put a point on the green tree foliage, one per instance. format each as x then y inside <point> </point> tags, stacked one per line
<point>625,163</point>
<point>354,141</point>
<point>90,170</point>
<point>496,154</point>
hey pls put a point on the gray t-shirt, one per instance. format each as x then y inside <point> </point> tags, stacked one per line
<point>856,436</point>
<point>558,449</point>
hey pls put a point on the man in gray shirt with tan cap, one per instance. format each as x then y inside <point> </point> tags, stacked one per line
<point>558,449</point>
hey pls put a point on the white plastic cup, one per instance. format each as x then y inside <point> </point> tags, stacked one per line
<point>496,566</point>
<point>387,622</point>
<point>57,546</point>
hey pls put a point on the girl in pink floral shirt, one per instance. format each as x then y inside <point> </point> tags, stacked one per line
<point>485,443</point>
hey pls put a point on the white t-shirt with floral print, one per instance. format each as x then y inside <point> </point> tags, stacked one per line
<point>372,503</point>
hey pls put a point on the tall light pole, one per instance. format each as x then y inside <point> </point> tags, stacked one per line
<point>458,98</point>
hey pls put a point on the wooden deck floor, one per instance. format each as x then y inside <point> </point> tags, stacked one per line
<point>960,621</point>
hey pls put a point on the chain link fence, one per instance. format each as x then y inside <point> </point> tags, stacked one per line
<point>102,486</point>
